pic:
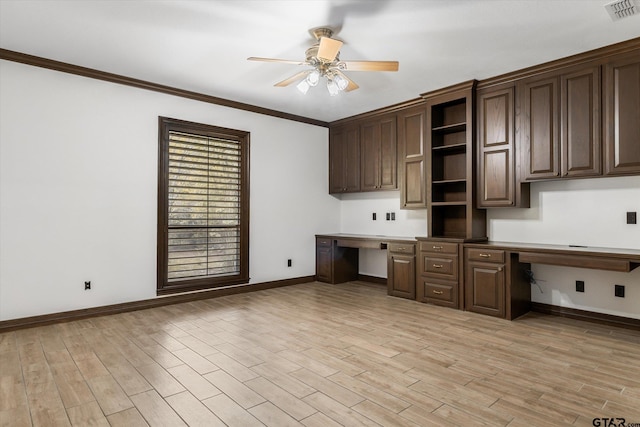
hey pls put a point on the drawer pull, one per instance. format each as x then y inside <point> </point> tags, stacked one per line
<point>438,265</point>
<point>437,248</point>
<point>437,292</point>
<point>499,268</point>
<point>400,249</point>
<point>485,255</point>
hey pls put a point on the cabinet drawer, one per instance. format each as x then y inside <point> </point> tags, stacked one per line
<point>439,247</point>
<point>440,292</point>
<point>323,241</point>
<point>402,248</point>
<point>445,267</point>
<point>486,255</point>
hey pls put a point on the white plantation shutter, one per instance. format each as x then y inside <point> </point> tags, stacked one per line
<point>204,211</point>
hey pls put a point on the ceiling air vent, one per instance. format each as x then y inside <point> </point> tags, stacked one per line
<point>623,8</point>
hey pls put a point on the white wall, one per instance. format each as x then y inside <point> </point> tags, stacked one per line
<point>590,212</point>
<point>78,190</point>
<point>355,217</point>
<point>78,176</point>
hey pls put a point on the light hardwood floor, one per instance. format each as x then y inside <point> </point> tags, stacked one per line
<point>318,355</point>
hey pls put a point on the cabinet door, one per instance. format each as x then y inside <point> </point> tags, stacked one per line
<point>580,122</point>
<point>401,276</point>
<point>336,161</point>
<point>324,264</point>
<point>485,288</point>
<point>370,156</point>
<point>411,132</point>
<point>352,160</point>
<point>539,128</point>
<point>388,154</point>
<point>496,166</point>
<point>344,160</point>
<point>622,115</point>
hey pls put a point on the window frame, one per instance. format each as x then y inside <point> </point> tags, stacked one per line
<point>164,286</point>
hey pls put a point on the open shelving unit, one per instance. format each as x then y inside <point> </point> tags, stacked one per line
<point>450,149</point>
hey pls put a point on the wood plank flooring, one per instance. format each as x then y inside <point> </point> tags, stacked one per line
<point>318,355</point>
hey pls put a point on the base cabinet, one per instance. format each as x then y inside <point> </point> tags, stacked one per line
<point>401,270</point>
<point>495,283</point>
<point>335,264</point>
<point>485,288</point>
<point>439,273</point>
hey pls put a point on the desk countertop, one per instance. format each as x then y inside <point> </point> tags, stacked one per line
<point>373,237</point>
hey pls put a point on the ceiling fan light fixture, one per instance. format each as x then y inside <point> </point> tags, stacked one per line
<point>332,87</point>
<point>313,78</point>
<point>341,82</point>
<point>303,86</point>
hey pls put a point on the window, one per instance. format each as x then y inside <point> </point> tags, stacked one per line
<point>203,206</point>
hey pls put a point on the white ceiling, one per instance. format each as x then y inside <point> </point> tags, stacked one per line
<point>202,45</point>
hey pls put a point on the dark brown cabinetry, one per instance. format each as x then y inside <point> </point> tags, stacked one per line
<point>485,282</point>
<point>622,115</point>
<point>344,159</point>
<point>560,124</point>
<point>324,259</point>
<point>439,273</point>
<point>495,282</point>
<point>335,264</point>
<point>450,173</point>
<point>401,270</point>
<point>498,182</point>
<point>411,148</point>
<point>378,149</point>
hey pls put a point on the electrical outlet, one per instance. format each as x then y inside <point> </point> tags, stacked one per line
<point>288,263</point>
<point>579,285</point>
<point>373,216</point>
<point>87,285</point>
<point>619,291</point>
<point>393,216</point>
<point>632,218</point>
<point>388,216</point>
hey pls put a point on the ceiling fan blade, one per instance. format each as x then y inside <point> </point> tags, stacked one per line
<point>283,61</point>
<point>328,49</point>
<point>352,85</point>
<point>371,65</point>
<point>293,79</point>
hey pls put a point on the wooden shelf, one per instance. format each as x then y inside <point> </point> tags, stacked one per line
<point>450,141</point>
<point>449,181</point>
<point>451,147</point>
<point>460,203</point>
<point>456,127</point>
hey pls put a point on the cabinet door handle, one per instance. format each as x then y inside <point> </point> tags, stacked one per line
<point>485,255</point>
<point>499,268</point>
<point>438,292</point>
<point>437,248</point>
<point>438,265</point>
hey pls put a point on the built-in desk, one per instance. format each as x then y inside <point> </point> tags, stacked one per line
<point>485,277</point>
<point>337,260</point>
<point>611,259</point>
<point>494,269</point>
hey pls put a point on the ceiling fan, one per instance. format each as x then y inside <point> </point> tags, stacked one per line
<point>324,59</point>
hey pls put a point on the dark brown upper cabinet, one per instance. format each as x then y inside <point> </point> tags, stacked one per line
<point>497,180</point>
<point>344,159</point>
<point>622,115</point>
<point>560,124</point>
<point>580,118</point>
<point>411,147</point>
<point>379,159</point>
<point>539,104</point>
